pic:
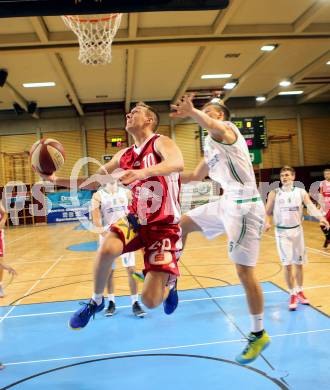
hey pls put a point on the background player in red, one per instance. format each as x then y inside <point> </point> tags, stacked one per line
<point>325,203</point>
<point>152,167</point>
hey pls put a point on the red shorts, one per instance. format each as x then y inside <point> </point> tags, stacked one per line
<point>161,244</point>
<point>2,242</point>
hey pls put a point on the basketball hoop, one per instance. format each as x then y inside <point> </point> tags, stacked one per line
<point>95,35</point>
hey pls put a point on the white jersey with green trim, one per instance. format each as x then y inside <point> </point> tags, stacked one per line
<point>113,206</point>
<point>288,207</point>
<point>231,166</point>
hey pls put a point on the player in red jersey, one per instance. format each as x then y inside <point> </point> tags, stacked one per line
<point>325,203</point>
<point>151,169</point>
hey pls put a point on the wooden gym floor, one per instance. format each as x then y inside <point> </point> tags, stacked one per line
<point>48,271</point>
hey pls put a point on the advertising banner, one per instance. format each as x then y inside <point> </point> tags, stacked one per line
<point>68,206</point>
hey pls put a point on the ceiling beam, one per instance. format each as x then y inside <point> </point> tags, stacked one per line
<point>300,75</point>
<point>224,16</point>
<point>129,78</point>
<point>146,43</point>
<point>309,15</point>
<point>268,32</point>
<point>42,32</point>
<point>60,69</point>
<point>316,92</point>
<point>133,22</point>
<point>200,57</point>
<point>18,98</point>
<point>251,70</point>
<point>40,28</point>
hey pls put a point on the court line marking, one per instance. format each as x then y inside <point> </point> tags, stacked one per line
<point>93,252</point>
<point>160,348</point>
<point>19,238</point>
<point>181,301</point>
<point>31,288</point>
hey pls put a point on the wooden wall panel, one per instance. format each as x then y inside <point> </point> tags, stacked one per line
<point>316,140</point>
<point>96,145</point>
<point>186,137</point>
<point>279,153</point>
<point>16,144</point>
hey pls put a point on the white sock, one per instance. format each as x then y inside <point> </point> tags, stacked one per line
<point>97,298</point>
<point>134,298</point>
<point>257,322</point>
<point>111,297</point>
<point>298,289</point>
<point>292,291</point>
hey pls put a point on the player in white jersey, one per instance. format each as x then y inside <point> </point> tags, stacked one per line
<point>239,214</point>
<point>109,204</point>
<point>286,205</point>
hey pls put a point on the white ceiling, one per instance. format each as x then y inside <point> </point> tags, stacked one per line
<point>159,55</point>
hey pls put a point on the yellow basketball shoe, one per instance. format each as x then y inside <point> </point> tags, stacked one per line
<point>254,348</point>
<point>138,276</point>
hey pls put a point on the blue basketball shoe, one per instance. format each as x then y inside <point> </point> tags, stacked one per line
<point>172,300</point>
<point>82,316</point>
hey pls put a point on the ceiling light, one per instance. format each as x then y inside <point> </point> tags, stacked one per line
<point>291,92</point>
<point>39,85</point>
<point>260,98</point>
<point>216,76</point>
<point>230,85</point>
<point>285,83</point>
<point>328,63</point>
<point>268,48</point>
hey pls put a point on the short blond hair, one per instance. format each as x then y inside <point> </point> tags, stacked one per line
<point>151,112</point>
<point>288,168</point>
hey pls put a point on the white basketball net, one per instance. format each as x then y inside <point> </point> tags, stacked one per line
<point>95,35</point>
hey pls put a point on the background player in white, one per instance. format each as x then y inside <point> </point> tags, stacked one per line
<point>286,205</point>
<point>109,204</point>
<point>240,213</point>
<point>324,201</point>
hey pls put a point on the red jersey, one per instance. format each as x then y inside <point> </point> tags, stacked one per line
<point>155,200</point>
<point>325,192</point>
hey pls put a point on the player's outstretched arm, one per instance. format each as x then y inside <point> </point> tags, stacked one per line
<point>91,183</point>
<point>314,212</point>
<point>198,174</point>
<point>217,128</point>
<point>172,162</point>
<point>269,210</point>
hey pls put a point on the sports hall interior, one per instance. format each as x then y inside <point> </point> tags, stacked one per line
<point>157,56</point>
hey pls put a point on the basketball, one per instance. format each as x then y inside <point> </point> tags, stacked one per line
<point>47,156</point>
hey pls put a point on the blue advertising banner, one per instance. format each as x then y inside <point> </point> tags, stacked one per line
<point>68,206</point>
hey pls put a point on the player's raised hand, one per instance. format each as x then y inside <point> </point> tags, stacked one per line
<point>183,108</point>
